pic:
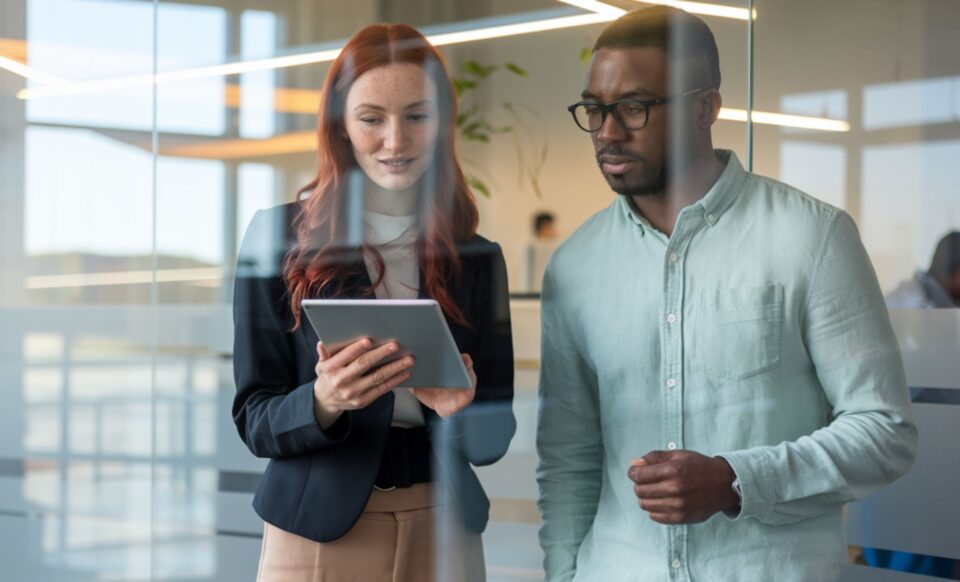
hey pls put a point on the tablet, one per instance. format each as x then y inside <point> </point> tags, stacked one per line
<point>417,325</point>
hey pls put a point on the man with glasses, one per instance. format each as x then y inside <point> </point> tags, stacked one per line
<point>719,374</point>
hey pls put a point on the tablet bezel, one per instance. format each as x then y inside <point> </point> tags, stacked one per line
<point>427,372</point>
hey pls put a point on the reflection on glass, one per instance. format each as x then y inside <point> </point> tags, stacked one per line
<point>258,39</point>
<point>909,200</point>
<point>824,104</point>
<point>79,41</point>
<point>78,207</point>
<point>936,286</point>
<point>256,189</point>
<point>828,183</point>
<point>911,103</point>
<point>189,212</point>
<point>80,390</point>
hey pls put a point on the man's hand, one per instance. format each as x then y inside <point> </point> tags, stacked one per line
<point>682,486</point>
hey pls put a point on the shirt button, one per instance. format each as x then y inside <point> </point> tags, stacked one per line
<point>671,445</point>
<point>673,257</point>
<point>671,383</point>
<point>711,218</point>
<point>675,564</point>
<point>671,318</point>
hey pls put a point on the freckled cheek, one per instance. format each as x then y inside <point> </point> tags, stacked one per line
<point>365,140</point>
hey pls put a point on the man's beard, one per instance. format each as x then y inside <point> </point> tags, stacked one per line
<point>650,184</point>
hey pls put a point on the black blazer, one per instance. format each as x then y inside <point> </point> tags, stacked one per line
<point>318,481</point>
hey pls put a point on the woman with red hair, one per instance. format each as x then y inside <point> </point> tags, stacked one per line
<point>368,480</point>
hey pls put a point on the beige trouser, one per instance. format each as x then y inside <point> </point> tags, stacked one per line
<point>402,536</point>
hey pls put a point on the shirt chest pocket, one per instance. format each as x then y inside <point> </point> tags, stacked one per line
<point>735,333</point>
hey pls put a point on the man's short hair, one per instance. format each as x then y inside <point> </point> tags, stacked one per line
<point>946,259</point>
<point>683,36</point>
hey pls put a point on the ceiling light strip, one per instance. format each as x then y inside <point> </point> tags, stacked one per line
<point>18,68</point>
<point>785,120</point>
<point>517,29</point>
<point>706,8</point>
<point>600,12</point>
<point>183,75</point>
<point>596,7</point>
<point>440,39</point>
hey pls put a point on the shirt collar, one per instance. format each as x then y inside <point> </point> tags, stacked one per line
<point>630,214</point>
<point>714,203</point>
<point>725,190</point>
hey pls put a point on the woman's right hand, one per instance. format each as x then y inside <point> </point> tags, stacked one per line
<point>342,380</point>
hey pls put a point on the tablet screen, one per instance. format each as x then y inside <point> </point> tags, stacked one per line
<point>417,325</point>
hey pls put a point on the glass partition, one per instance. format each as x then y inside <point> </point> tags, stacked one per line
<point>889,75</point>
<point>140,138</point>
<point>78,362</point>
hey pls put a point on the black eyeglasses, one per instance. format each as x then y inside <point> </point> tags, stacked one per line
<point>631,114</point>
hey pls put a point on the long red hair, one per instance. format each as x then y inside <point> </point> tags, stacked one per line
<point>325,252</point>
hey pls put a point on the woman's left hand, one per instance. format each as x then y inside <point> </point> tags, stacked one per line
<point>448,401</point>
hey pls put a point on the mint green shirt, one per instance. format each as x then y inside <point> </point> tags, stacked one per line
<point>757,332</point>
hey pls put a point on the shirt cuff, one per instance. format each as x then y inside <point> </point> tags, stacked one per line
<point>751,472</point>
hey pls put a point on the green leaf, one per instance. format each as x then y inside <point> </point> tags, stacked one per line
<point>480,129</point>
<point>517,70</point>
<point>464,116</point>
<point>477,70</point>
<point>460,86</point>
<point>478,185</point>
<point>468,133</point>
<point>585,54</point>
<point>481,125</point>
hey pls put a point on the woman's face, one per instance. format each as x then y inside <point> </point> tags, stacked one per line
<point>392,120</point>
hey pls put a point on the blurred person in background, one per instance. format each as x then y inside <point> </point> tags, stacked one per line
<point>539,249</point>
<point>938,286</point>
